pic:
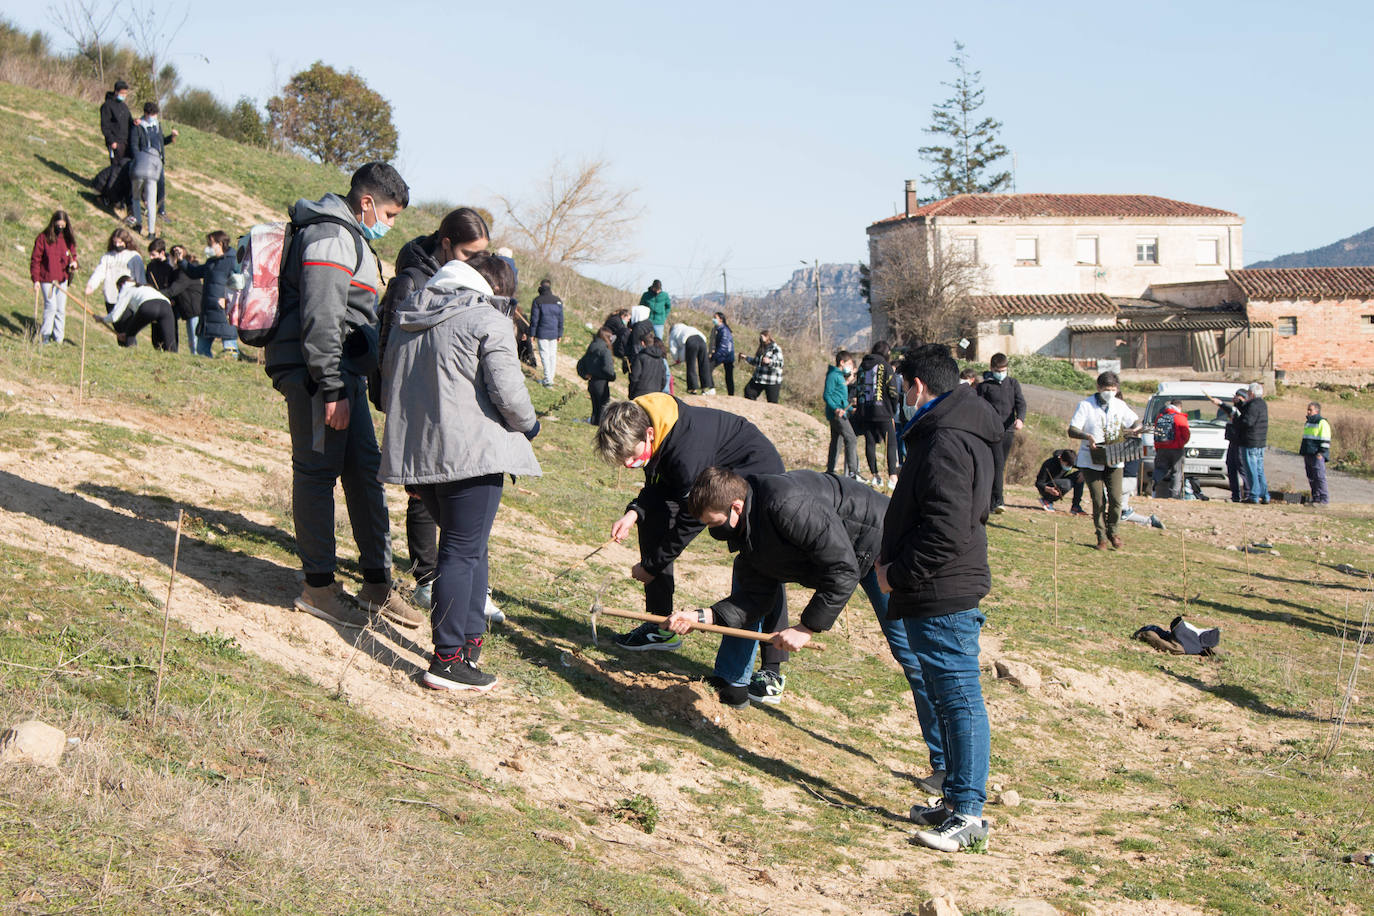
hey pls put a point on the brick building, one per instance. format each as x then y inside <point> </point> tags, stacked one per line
<point>1323,317</point>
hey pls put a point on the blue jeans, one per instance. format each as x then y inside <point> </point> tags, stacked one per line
<point>895,631</point>
<point>735,657</point>
<point>947,648</point>
<point>1255,485</point>
<point>204,346</point>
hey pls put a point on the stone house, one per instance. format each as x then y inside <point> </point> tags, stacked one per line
<point>1323,317</point>
<point>1045,261</point>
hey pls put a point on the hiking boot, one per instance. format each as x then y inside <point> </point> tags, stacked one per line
<point>1156,523</point>
<point>381,598</point>
<point>955,832</point>
<point>456,672</point>
<point>330,604</point>
<point>934,784</point>
<point>648,637</point>
<point>932,816</point>
<point>767,686</point>
<point>423,596</point>
<point>493,613</point>
<point>1116,541</point>
<point>1102,545</point>
<point>1077,510</point>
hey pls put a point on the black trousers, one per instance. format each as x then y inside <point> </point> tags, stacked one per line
<point>158,314</point>
<point>1065,484</point>
<point>754,389</point>
<point>729,377</point>
<point>658,595</point>
<point>1235,471</point>
<point>872,431</point>
<point>599,390</point>
<point>698,366</point>
<point>465,510</point>
<point>422,538</point>
<point>999,465</point>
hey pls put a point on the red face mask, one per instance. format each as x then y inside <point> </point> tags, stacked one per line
<point>642,458</point>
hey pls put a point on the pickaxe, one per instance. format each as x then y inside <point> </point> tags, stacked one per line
<point>597,610</point>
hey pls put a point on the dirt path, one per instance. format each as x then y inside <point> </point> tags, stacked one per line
<point>1282,468</point>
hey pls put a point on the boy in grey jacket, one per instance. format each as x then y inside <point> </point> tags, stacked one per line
<point>325,345</point>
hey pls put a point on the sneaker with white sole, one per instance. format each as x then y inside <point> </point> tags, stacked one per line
<point>648,637</point>
<point>956,832</point>
<point>930,816</point>
<point>332,605</point>
<point>934,784</point>
<point>456,672</point>
<point>767,686</point>
<point>493,613</point>
<point>381,598</point>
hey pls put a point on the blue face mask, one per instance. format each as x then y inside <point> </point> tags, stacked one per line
<point>378,228</point>
<point>1000,376</point>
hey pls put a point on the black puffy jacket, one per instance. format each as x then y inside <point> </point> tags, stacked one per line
<point>818,530</point>
<point>934,533</point>
<point>647,371</point>
<point>1005,397</point>
<point>215,273</point>
<point>1254,423</point>
<point>115,121</point>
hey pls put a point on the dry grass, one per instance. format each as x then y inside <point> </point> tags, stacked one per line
<point>1352,441</point>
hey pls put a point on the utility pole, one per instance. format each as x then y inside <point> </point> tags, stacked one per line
<point>820,330</point>
<point>725,292</point>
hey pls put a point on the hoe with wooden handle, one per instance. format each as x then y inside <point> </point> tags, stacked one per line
<point>597,610</point>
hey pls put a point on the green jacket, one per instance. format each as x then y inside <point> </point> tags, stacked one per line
<point>836,392</point>
<point>1316,437</point>
<point>658,306</point>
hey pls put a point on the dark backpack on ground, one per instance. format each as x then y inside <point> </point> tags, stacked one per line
<point>113,184</point>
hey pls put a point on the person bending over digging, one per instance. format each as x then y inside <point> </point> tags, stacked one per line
<point>934,563</point>
<point>674,442</point>
<point>818,530</point>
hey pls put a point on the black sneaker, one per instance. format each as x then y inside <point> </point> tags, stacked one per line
<point>731,695</point>
<point>767,686</point>
<point>648,637</point>
<point>932,816</point>
<point>934,784</point>
<point>955,832</point>
<point>456,673</point>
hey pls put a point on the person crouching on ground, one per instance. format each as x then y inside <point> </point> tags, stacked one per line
<point>458,419</point>
<point>818,530</point>
<point>934,563</point>
<point>138,306</point>
<point>1057,477</point>
<point>674,442</point>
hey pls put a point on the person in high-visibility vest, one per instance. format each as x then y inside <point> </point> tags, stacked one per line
<point>1316,451</point>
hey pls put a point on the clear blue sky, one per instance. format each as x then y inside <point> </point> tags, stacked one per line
<point>762,134</point>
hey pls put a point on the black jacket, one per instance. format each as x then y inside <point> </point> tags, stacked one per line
<point>934,534</point>
<point>115,122</point>
<point>818,530</point>
<point>638,331</point>
<point>1051,471</point>
<point>620,342</point>
<point>598,362</point>
<point>647,371</point>
<point>1005,398</point>
<point>184,291</point>
<point>885,406</point>
<point>1253,424</point>
<point>701,438</point>
<point>215,272</point>
<point>416,263</point>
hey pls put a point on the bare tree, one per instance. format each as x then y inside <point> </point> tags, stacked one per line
<point>926,291</point>
<point>86,23</point>
<point>151,30</point>
<point>576,216</point>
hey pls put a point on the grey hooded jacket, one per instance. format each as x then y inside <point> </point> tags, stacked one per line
<point>455,397</point>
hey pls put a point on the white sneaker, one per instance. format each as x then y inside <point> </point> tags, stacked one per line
<point>493,613</point>
<point>709,391</point>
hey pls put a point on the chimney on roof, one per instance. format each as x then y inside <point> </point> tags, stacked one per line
<point>911,203</point>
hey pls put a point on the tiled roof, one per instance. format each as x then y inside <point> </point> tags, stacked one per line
<point>1267,283</point>
<point>1029,206</point>
<point>1047,304</point>
<point>1183,324</point>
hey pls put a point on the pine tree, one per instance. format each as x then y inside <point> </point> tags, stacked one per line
<point>961,167</point>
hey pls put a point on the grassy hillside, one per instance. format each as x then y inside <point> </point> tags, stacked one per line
<point>296,768</point>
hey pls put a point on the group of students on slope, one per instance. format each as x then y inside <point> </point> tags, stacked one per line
<point>864,401</point>
<point>135,180</point>
<point>169,286</point>
<point>920,556</point>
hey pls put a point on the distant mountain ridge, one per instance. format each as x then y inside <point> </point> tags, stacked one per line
<point>1355,251</point>
<point>791,307</point>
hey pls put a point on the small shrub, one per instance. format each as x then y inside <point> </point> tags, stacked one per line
<point>1051,373</point>
<point>217,643</point>
<point>1352,439</point>
<point>655,766</point>
<point>639,810</point>
<point>539,735</point>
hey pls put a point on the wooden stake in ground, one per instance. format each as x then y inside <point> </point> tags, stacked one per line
<point>1056,574</point>
<point>1183,546</point>
<point>37,298</point>
<point>81,378</point>
<point>166,615</point>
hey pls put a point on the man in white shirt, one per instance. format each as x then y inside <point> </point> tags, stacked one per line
<point>1097,420</point>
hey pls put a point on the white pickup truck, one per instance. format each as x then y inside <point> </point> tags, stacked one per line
<point>1204,458</point>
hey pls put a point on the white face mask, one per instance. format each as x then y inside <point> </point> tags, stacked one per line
<point>638,463</point>
<point>150,120</point>
<point>209,252</point>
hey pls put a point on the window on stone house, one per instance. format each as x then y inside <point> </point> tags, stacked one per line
<point>1286,326</point>
<point>1006,328</point>
<point>1367,324</point>
<point>1086,250</point>
<point>1208,252</point>
<point>1147,250</point>
<point>966,249</point>
<point>1027,252</point>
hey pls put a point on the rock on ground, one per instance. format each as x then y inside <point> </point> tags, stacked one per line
<point>940,906</point>
<point>33,742</point>
<point>1019,673</point>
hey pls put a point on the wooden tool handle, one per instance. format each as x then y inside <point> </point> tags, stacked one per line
<point>707,627</point>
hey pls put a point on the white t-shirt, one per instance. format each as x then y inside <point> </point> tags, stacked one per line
<point>1090,418</point>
